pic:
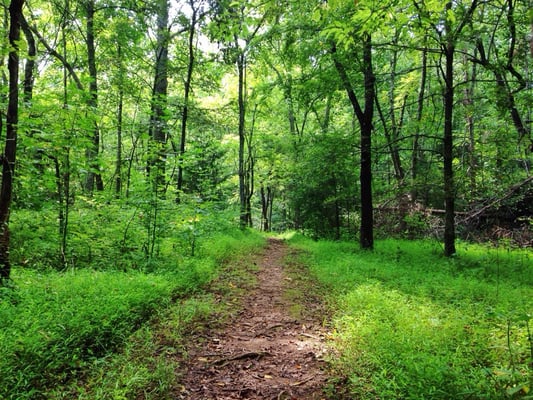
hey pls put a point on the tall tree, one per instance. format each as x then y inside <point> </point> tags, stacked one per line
<point>8,158</point>
<point>158,119</point>
<point>94,176</point>
<point>361,31</point>
<point>196,7</point>
<point>237,26</point>
<point>448,26</point>
<point>365,117</point>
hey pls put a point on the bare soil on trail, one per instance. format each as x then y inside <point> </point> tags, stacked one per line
<point>272,348</point>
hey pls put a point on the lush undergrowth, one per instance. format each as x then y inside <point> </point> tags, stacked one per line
<point>83,332</point>
<point>411,324</point>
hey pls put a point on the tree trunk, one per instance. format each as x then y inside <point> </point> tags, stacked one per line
<point>249,170</point>
<point>242,114</point>
<point>393,132</point>
<point>468,103</point>
<point>449,185</point>
<point>367,216</point>
<point>94,178</point>
<point>186,94</point>
<point>365,118</point>
<point>415,158</point>
<point>120,111</point>
<point>29,69</point>
<point>158,126</point>
<point>9,157</point>
<point>267,198</point>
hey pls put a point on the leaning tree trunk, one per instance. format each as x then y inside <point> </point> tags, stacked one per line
<point>9,156</point>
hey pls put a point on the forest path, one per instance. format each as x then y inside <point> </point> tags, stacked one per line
<point>271,349</point>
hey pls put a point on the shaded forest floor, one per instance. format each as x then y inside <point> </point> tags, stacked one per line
<point>271,346</point>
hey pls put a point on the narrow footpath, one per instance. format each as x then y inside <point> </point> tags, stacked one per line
<point>272,349</point>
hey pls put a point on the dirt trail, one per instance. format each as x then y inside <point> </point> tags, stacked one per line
<point>268,351</point>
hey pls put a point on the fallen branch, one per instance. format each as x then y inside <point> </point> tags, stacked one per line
<point>252,354</point>
<point>300,383</point>
<point>512,190</point>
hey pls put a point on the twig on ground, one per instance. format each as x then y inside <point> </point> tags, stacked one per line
<point>252,354</point>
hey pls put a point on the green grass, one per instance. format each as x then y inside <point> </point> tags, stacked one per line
<point>60,321</point>
<point>85,332</point>
<point>411,324</point>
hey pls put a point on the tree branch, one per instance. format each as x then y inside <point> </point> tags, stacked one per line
<point>57,55</point>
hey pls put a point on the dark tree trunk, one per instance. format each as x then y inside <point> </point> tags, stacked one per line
<point>120,112</point>
<point>158,126</point>
<point>10,149</point>
<point>249,170</point>
<point>187,90</point>
<point>367,216</point>
<point>448,51</point>
<point>267,199</point>
<point>29,69</point>
<point>94,178</point>
<point>449,185</point>
<point>365,118</point>
<point>242,114</point>
<point>415,158</point>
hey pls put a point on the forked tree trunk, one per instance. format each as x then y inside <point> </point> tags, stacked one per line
<point>365,118</point>
<point>267,199</point>
<point>448,51</point>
